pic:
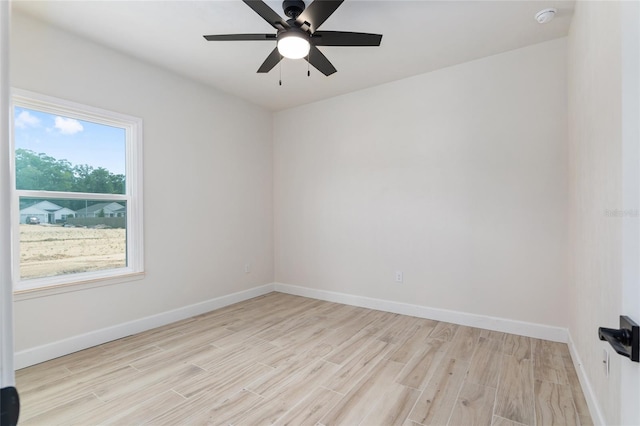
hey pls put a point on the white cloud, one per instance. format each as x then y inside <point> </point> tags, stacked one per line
<point>68,126</point>
<point>25,119</point>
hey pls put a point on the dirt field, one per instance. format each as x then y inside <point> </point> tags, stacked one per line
<point>53,250</point>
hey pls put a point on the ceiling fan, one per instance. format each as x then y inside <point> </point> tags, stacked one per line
<point>298,37</point>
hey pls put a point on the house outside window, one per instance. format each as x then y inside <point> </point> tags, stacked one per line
<point>78,193</point>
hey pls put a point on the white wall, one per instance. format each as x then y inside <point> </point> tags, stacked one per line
<point>201,156</point>
<point>603,178</point>
<point>456,177</point>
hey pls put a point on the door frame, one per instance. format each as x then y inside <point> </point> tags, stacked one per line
<point>630,303</point>
<point>7,375</point>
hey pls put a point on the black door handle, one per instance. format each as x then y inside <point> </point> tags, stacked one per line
<point>625,340</point>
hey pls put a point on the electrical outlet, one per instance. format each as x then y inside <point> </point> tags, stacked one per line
<point>398,276</point>
<point>247,268</point>
<point>605,362</point>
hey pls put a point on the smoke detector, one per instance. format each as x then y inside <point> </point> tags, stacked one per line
<point>545,15</point>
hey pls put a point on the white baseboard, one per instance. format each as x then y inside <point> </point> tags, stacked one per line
<point>49,351</point>
<point>539,331</point>
<point>59,348</point>
<point>587,390</point>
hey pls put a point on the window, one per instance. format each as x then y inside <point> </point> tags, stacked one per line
<point>78,192</point>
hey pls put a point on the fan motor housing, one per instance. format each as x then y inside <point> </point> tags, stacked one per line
<point>293,32</point>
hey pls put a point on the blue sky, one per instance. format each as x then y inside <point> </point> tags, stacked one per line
<point>77,141</point>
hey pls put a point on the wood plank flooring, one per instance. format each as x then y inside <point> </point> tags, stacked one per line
<point>288,360</point>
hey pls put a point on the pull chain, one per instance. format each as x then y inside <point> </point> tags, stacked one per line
<point>280,72</point>
<point>308,64</point>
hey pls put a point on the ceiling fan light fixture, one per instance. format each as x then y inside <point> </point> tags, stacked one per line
<point>293,44</point>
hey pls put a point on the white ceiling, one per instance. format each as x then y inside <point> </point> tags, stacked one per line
<point>418,36</point>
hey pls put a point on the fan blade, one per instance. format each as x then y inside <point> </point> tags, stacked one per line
<point>320,62</point>
<point>240,37</point>
<point>317,13</point>
<point>268,14</point>
<point>272,60</point>
<point>344,38</point>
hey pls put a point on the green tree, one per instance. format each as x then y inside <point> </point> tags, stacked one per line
<point>42,172</point>
<point>82,174</point>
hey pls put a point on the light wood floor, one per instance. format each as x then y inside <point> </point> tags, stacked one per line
<point>295,361</point>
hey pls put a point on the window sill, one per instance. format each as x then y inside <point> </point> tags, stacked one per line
<point>19,295</point>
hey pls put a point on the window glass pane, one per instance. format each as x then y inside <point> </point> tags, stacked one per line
<point>60,237</point>
<point>55,153</point>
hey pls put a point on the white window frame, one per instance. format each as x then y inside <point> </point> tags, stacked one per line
<point>132,196</point>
